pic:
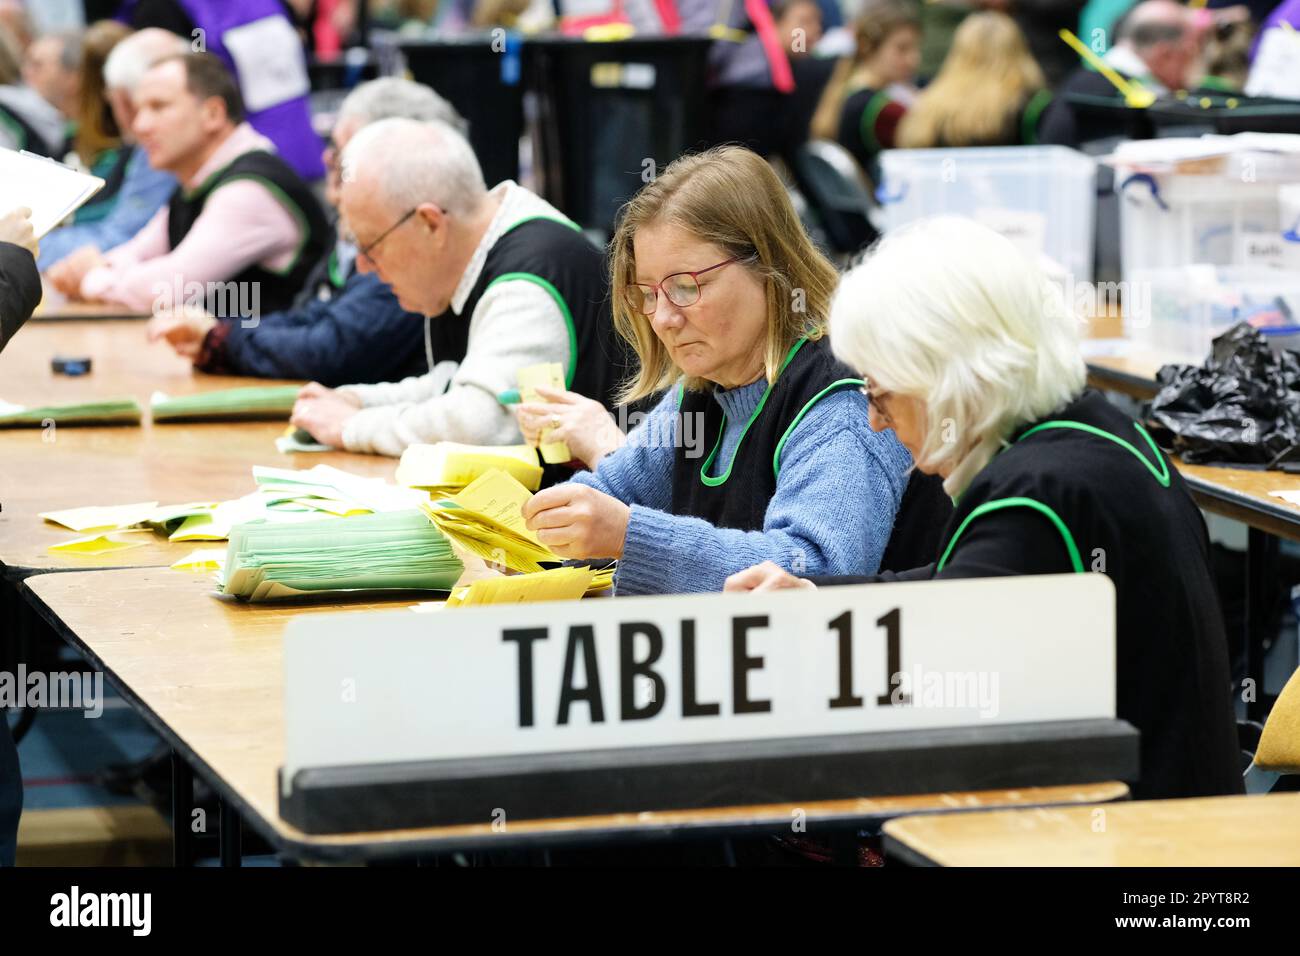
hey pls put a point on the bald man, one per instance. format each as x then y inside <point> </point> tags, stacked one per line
<point>1156,44</point>
<point>503,280</point>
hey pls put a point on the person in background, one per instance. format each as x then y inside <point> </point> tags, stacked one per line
<point>722,294</point>
<point>52,67</point>
<point>513,283</point>
<point>990,91</point>
<point>257,42</point>
<point>957,333</point>
<point>27,120</point>
<point>347,325</point>
<point>1156,44</point>
<point>133,191</point>
<point>869,92</point>
<point>190,121</point>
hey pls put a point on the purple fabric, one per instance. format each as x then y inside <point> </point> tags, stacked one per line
<point>1288,10</point>
<point>287,124</point>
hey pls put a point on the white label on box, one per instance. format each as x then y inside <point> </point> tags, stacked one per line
<point>1262,249</point>
<point>691,669</point>
<point>1028,230</point>
<point>269,60</point>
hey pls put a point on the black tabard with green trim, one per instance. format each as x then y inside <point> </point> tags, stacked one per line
<point>276,290</point>
<point>554,255</point>
<point>741,500</point>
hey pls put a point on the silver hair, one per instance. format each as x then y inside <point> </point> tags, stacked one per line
<point>131,59</point>
<point>415,163</point>
<point>393,96</point>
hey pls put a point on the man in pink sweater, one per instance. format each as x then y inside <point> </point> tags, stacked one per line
<point>242,230</point>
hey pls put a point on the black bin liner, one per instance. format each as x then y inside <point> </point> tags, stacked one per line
<point>1241,407</point>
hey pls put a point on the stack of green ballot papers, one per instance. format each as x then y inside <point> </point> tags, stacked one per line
<point>113,411</point>
<point>232,404</point>
<point>398,550</point>
<point>446,467</point>
<point>486,519</point>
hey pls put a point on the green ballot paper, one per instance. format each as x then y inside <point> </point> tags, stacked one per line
<point>115,411</point>
<point>232,404</point>
<point>395,550</point>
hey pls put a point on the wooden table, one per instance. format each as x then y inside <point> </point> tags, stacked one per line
<point>1216,831</point>
<point>54,309</point>
<point>72,466</point>
<point>208,675</point>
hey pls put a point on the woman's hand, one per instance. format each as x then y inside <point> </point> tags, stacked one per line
<point>581,423</point>
<point>576,521</point>
<point>16,227</point>
<point>768,576</point>
<point>67,274</point>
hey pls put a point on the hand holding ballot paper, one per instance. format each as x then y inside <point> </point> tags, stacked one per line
<point>563,425</point>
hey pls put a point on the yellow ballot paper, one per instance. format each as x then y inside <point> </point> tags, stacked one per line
<point>109,518</point>
<point>550,375</point>
<point>486,519</point>
<point>557,584</point>
<point>95,544</point>
<point>446,467</point>
<point>202,559</point>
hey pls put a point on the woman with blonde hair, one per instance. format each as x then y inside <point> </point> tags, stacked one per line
<point>989,92</point>
<point>973,361</point>
<point>869,92</point>
<point>758,445</point>
<point>97,140</point>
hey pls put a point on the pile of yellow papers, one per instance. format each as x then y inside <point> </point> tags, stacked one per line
<point>550,375</point>
<point>110,518</point>
<point>446,467</point>
<point>486,519</point>
<point>102,543</point>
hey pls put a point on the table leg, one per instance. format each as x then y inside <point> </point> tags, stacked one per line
<point>182,812</point>
<point>1261,565</point>
<point>230,832</point>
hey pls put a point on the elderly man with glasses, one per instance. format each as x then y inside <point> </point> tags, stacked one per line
<point>514,284</point>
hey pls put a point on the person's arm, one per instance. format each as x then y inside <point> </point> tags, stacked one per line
<point>515,324</point>
<point>245,208</point>
<point>835,501</point>
<point>360,335</point>
<point>20,289</point>
<point>640,472</point>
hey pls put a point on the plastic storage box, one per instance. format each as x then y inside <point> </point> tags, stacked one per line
<point>1041,197</point>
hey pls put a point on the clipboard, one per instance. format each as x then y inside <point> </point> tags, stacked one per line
<point>50,189</point>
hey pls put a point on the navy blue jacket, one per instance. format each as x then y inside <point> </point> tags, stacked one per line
<point>357,336</point>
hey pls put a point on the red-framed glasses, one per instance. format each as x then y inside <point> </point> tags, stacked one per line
<point>682,289</point>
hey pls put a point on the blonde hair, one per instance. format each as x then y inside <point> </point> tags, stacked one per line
<point>96,128</point>
<point>949,312</point>
<point>729,197</point>
<point>873,27</point>
<point>986,79</point>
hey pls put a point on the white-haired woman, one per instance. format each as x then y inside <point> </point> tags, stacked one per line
<point>972,360</point>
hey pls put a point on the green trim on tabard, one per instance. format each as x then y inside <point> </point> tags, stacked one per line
<point>833,386</point>
<point>563,221</point>
<point>753,417</point>
<point>337,278</point>
<point>564,310</point>
<point>1161,474</point>
<point>1032,113</point>
<point>867,124</point>
<point>999,504</point>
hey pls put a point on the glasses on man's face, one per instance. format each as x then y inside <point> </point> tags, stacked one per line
<point>682,289</point>
<point>364,253</point>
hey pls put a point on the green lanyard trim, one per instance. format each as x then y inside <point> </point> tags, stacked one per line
<point>999,504</point>
<point>867,123</point>
<point>337,278</point>
<point>560,219</point>
<point>564,311</point>
<point>1032,114</point>
<point>753,417</point>
<point>1161,474</point>
<point>833,386</point>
